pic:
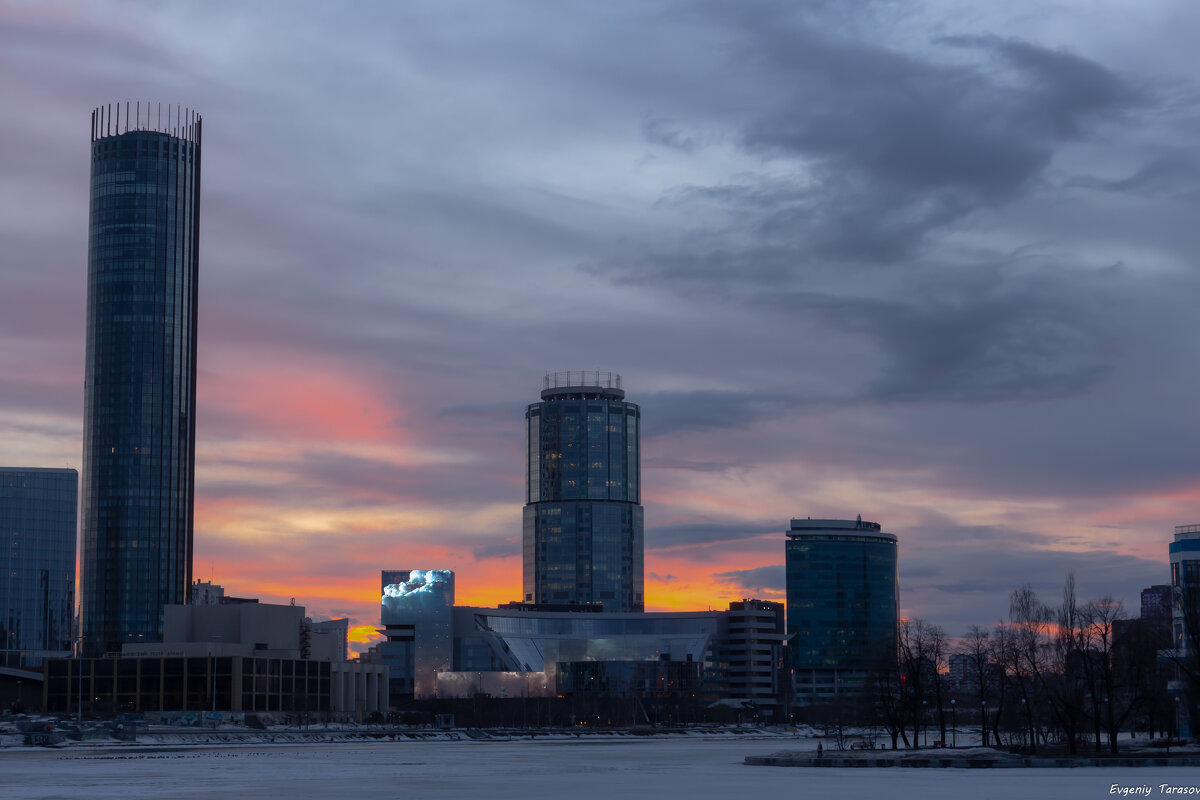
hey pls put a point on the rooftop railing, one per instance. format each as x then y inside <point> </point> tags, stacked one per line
<point>563,380</point>
<point>109,120</point>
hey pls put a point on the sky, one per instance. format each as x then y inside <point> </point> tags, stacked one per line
<point>931,263</point>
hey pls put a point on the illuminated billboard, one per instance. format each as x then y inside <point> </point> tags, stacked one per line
<point>415,609</point>
<point>411,593</point>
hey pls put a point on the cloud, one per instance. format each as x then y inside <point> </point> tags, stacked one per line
<point>997,334</point>
<point>666,536</point>
<point>866,151</point>
<point>507,549</point>
<point>668,134</point>
<point>673,412</point>
<point>768,581</point>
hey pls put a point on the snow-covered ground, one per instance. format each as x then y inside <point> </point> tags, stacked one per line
<point>617,769</point>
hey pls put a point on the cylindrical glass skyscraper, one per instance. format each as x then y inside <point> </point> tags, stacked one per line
<point>843,599</point>
<point>140,388</point>
<point>583,539</point>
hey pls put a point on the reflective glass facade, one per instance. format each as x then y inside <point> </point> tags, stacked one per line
<point>583,524</point>
<point>133,684</point>
<point>140,386</point>
<point>1184,554</point>
<point>37,563</point>
<point>842,603</point>
<point>416,609</point>
<point>540,641</point>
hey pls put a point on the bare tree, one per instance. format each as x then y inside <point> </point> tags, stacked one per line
<point>1116,685</point>
<point>918,669</point>
<point>977,647</point>
<point>885,694</point>
<point>1046,642</point>
<point>939,654</point>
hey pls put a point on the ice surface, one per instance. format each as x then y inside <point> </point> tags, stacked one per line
<point>521,770</point>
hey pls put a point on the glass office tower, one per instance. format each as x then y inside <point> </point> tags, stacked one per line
<point>583,515</point>
<point>843,603</point>
<point>37,564</point>
<point>140,389</point>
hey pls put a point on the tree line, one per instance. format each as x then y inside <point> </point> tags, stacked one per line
<point>1051,675</point>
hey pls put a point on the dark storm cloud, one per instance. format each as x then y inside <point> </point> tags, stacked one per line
<point>662,537</point>
<point>870,150</point>
<point>1021,329</point>
<point>900,146</point>
<point>974,583</point>
<point>671,412</point>
<point>992,334</point>
<point>756,580</point>
<point>1173,175</point>
<point>668,133</point>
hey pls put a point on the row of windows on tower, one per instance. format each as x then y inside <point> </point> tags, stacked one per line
<point>137,209</point>
<point>147,142</point>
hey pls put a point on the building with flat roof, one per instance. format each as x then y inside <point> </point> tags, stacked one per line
<point>842,604</point>
<point>139,424</point>
<point>1184,554</point>
<point>235,657</point>
<point>747,657</point>
<point>1156,602</point>
<point>37,564</point>
<point>435,649</point>
<point>583,521</point>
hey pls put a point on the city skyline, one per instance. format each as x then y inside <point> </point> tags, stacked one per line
<point>926,267</point>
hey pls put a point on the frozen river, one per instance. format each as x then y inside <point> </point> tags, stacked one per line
<point>522,770</point>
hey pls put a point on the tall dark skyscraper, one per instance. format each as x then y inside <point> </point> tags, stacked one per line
<point>139,428</point>
<point>583,516</point>
<point>37,564</point>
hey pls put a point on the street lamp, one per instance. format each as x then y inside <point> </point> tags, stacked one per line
<point>1176,726</point>
<point>924,725</point>
<point>953,722</point>
<point>983,723</point>
<point>1022,713</point>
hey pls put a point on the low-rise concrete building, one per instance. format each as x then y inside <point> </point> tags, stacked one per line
<point>239,657</point>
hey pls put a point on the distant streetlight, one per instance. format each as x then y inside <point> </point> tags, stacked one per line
<point>1031,725</point>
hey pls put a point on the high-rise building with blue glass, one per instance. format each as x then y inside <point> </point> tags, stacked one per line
<point>583,538</point>
<point>843,600</point>
<point>140,386</point>
<point>37,563</point>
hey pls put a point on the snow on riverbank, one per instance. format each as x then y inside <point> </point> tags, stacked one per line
<point>583,769</point>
